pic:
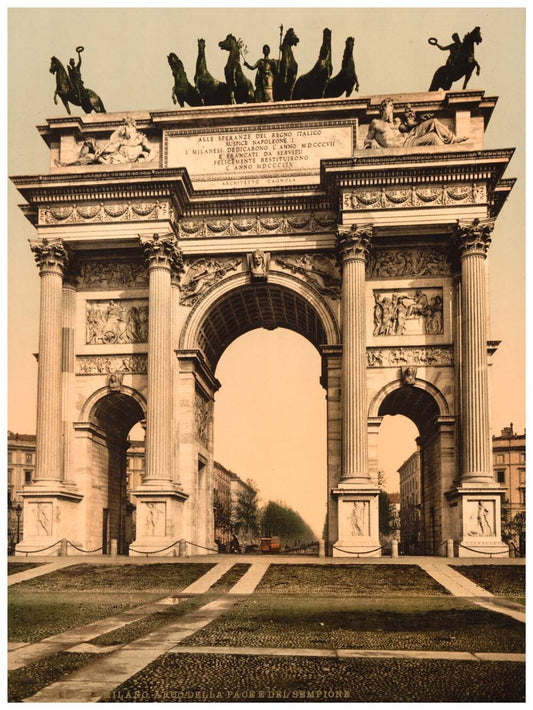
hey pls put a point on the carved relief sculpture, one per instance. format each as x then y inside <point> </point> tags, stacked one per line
<point>320,221</point>
<point>155,519</point>
<point>358,518</point>
<point>201,274</point>
<point>402,263</point>
<point>112,275</point>
<point>42,523</point>
<point>414,196</point>
<point>201,415</point>
<point>105,365</point>
<point>127,211</point>
<point>114,321</point>
<point>390,357</point>
<point>114,381</point>
<point>409,375</point>
<point>317,269</point>
<point>407,312</point>
<point>481,518</point>
<point>258,263</point>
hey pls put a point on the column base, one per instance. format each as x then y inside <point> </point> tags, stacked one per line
<point>159,521</point>
<point>358,520</point>
<point>476,520</point>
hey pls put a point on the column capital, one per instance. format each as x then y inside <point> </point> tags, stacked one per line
<point>473,238</point>
<point>353,242</point>
<point>50,255</point>
<point>162,251</point>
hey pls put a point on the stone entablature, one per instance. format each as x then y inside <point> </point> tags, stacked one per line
<point>415,196</point>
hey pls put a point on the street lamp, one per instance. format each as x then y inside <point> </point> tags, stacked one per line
<point>18,511</point>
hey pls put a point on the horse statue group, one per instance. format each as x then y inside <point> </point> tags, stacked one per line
<point>238,89</point>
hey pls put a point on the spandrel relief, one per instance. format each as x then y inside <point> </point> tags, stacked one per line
<point>117,321</point>
<point>408,312</point>
<point>405,263</point>
<point>203,273</point>
<point>318,270</point>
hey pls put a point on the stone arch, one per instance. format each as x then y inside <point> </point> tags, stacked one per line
<point>283,301</point>
<point>92,402</point>
<point>410,392</point>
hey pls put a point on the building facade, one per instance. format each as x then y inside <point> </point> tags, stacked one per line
<point>183,230</point>
<point>509,465</point>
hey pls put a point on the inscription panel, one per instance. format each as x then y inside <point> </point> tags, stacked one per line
<point>257,156</point>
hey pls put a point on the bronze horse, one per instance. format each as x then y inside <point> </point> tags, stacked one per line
<point>241,88</point>
<point>212,91</point>
<point>287,68</point>
<point>346,79</point>
<point>313,84</point>
<point>183,91</point>
<point>90,101</point>
<point>463,65</point>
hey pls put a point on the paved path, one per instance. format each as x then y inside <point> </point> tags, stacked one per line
<point>29,653</point>
<point>96,680</point>
<point>38,571</point>
<point>350,653</point>
<point>460,586</point>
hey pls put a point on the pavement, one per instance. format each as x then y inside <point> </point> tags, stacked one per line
<point>99,678</point>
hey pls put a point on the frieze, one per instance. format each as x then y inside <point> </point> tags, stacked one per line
<point>126,211</point>
<point>112,274</point>
<point>201,274</point>
<point>259,224</point>
<point>201,416</point>
<point>429,356</point>
<point>415,196</point>
<point>319,270</point>
<point>408,312</point>
<point>117,321</point>
<point>110,364</point>
<point>400,263</point>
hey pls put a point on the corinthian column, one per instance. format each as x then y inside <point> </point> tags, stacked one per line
<point>51,257</point>
<point>473,240</point>
<point>353,244</point>
<point>163,257</point>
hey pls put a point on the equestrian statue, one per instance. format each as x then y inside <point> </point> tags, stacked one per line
<point>287,67</point>
<point>346,79</point>
<point>212,91</point>
<point>241,89</point>
<point>460,63</point>
<point>70,88</point>
<point>183,92</point>
<point>313,84</point>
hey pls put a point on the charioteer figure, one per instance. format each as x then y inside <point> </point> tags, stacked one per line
<point>266,73</point>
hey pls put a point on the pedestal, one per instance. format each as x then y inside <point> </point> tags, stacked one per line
<point>477,521</point>
<point>159,521</point>
<point>358,516</point>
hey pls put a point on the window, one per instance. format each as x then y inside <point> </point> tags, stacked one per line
<point>522,492</point>
<point>500,476</point>
<point>499,458</point>
<point>10,475</point>
<point>522,457</point>
<point>10,457</point>
<point>27,477</point>
<point>522,476</point>
<point>29,458</point>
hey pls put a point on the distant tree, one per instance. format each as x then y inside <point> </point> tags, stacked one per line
<point>325,528</point>
<point>387,515</point>
<point>246,516</point>
<point>282,521</point>
<point>222,510</point>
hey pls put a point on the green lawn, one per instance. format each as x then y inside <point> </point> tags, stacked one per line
<point>16,567</point>
<point>235,678</point>
<point>429,623</point>
<point>164,578</point>
<point>349,580</point>
<point>500,580</point>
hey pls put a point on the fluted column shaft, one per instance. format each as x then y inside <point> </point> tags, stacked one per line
<point>161,254</point>
<point>51,258</point>
<point>69,324</point>
<point>353,245</point>
<point>473,241</point>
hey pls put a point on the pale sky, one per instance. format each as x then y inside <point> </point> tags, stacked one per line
<point>270,400</point>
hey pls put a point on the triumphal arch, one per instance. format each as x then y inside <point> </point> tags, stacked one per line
<point>363,224</point>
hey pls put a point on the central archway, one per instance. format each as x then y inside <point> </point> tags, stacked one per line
<point>231,309</point>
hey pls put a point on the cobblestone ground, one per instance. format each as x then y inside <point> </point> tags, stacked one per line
<point>233,678</point>
<point>501,580</point>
